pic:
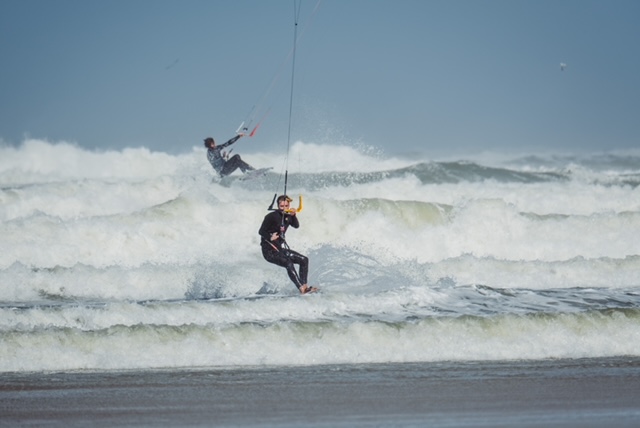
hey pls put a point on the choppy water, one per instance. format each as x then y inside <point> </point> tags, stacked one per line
<point>139,259</point>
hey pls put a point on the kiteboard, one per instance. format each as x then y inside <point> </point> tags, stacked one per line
<point>255,173</point>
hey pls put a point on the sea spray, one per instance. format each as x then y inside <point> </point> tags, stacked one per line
<point>138,259</point>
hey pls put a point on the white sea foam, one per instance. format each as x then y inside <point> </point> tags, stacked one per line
<point>106,254</point>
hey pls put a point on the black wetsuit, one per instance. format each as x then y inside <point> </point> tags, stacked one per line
<point>277,251</point>
<point>226,167</point>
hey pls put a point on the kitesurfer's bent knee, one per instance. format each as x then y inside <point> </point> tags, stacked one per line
<point>303,261</point>
<point>234,163</point>
<point>289,262</point>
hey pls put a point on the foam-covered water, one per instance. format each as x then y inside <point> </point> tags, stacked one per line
<point>139,259</point>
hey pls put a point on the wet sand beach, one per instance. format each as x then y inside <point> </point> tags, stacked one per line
<point>567,393</point>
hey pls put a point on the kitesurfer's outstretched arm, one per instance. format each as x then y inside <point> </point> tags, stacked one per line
<point>231,141</point>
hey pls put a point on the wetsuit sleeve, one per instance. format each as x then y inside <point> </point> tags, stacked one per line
<point>268,227</point>
<point>230,142</point>
<point>293,221</point>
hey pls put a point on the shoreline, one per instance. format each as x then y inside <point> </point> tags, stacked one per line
<point>568,393</point>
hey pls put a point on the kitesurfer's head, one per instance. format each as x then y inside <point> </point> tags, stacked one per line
<point>209,142</point>
<point>283,202</point>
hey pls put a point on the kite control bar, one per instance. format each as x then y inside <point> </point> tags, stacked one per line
<point>290,210</point>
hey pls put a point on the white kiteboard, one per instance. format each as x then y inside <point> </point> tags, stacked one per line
<point>256,173</point>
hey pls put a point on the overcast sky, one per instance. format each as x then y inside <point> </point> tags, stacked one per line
<point>430,76</point>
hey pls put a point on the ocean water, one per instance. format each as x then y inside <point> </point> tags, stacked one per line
<point>137,259</point>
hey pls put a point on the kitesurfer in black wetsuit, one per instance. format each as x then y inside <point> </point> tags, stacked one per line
<point>275,249</point>
<point>218,158</point>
